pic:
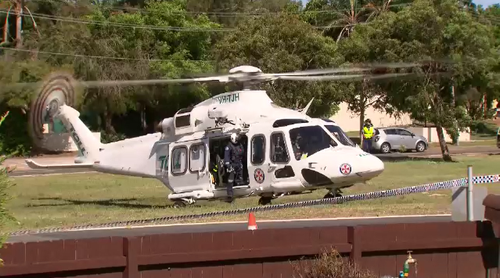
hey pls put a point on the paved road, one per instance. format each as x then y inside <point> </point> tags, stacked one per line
<point>436,152</point>
<point>231,226</point>
<point>23,170</point>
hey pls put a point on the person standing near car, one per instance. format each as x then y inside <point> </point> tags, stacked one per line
<point>368,132</point>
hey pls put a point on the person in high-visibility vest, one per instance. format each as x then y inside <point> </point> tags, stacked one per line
<point>368,133</point>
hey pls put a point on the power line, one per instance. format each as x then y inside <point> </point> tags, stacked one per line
<point>99,57</point>
<point>148,27</point>
<point>235,14</point>
<point>135,26</point>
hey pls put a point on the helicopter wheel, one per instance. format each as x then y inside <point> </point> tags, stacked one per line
<point>265,201</point>
<point>333,193</point>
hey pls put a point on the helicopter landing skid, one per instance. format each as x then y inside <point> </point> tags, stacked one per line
<point>183,202</point>
<point>265,200</point>
<point>333,193</point>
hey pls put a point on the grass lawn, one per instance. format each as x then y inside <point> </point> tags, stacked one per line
<point>52,201</point>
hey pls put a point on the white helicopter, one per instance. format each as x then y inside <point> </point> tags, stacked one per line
<point>180,154</point>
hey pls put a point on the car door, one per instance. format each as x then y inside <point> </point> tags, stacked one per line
<point>280,154</point>
<point>406,138</point>
<point>392,137</point>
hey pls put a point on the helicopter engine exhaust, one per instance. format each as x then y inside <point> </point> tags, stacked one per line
<point>167,127</point>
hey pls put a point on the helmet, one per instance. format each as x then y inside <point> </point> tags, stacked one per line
<point>234,138</point>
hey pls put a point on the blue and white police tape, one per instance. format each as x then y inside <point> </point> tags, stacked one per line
<point>337,200</point>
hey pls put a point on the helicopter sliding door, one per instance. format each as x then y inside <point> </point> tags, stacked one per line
<point>189,166</point>
<point>269,163</point>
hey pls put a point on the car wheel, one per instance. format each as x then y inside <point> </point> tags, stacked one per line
<point>420,147</point>
<point>385,148</point>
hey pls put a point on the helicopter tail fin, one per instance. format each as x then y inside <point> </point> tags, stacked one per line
<point>87,144</point>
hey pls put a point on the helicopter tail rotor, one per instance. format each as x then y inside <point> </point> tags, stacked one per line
<point>54,101</point>
<point>57,90</point>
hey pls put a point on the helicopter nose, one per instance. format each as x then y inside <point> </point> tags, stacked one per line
<point>375,164</point>
<point>365,165</point>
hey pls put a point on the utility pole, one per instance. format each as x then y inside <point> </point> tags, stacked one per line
<point>19,5</point>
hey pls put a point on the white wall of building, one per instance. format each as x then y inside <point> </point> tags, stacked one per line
<point>349,121</point>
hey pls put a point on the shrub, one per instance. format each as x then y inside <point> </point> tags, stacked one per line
<point>5,185</point>
<point>330,265</point>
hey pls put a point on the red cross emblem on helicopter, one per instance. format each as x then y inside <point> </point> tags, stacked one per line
<point>258,175</point>
<point>345,169</point>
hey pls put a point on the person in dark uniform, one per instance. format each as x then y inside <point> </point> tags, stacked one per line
<point>233,159</point>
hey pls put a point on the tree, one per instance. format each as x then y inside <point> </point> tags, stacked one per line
<point>5,185</point>
<point>283,43</point>
<point>432,31</point>
<point>341,17</point>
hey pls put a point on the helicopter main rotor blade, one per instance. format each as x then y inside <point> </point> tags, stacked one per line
<point>367,67</point>
<point>349,77</point>
<point>113,83</point>
<point>341,77</point>
<point>318,75</point>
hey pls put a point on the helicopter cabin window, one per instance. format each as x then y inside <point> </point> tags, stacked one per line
<point>340,135</point>
<point>179,160</point>
<point>197,158</point>
<point>279,152</point>
<point>258,149</point>
<point>308,140</point>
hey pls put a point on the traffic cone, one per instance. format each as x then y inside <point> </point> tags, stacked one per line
<point>252,224</point>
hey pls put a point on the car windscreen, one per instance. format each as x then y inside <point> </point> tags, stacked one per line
<point>309,140</point>
<point>340,135</point>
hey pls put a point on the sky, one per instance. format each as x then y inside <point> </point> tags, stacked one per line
<point>484,3</point>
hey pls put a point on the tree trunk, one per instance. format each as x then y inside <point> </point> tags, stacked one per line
<point>361,123</point>
<point>362,109</point>
<point>19,22</point>
<point>108,122</point>
<point>442,144</point>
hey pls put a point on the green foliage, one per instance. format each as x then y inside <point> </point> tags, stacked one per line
<point>281,43</point>
<point>482,127</point>
<point>14,137</point>
<point>109,138</point>
<point>5,185</point>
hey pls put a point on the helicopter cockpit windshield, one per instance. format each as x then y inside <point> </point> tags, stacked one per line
<point>308,140</point>
<point>340,135</point>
